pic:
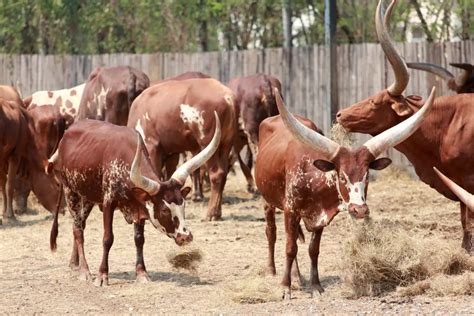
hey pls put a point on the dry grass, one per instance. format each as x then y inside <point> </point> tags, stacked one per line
<point>185,258</point>
<point>441,285</point>
<point>255,288</point>
<point>341,136</point>
<point>383,256</point>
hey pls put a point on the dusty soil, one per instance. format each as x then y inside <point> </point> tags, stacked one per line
<point>32,279</point>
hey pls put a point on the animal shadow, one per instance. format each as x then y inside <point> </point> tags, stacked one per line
<point>181,279</point>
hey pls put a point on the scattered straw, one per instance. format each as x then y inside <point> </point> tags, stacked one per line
<point>382,257</point>
<point>185,258</point>
<point>441,285</point>
<point>341,136</point>
<point>255,289</point>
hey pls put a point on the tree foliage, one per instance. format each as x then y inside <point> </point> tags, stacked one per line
<point>100,26</point>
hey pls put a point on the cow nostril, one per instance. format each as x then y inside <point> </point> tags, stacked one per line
<point>338,114</point>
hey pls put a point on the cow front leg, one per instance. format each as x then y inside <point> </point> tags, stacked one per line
<point>313,251</point>
<point>467,221</point>
<point>142,274</point>
<point>197,184</point>
<point>107,242</point>
<point>247,171</point>
<point>270,232</point>
<point>20,196</point>
<point>218,167</point>
<point>291,228</point>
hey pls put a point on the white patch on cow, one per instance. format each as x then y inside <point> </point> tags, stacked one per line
<point>356,190</point>
<point>114,180</point>
<point>322,219</point>
<point>294,182</point>
<point>190,115</point>
<point>331,178</point>
<point>139,129</point>
<point>151,214</point>
<point>177,210</point>
<point>147,117</point>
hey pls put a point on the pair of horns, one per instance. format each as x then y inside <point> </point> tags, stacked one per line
<point>182,173</point>
<point>376,145</point>
<point>465,197</point>
<point>398,64</point>
<point>457,82</point>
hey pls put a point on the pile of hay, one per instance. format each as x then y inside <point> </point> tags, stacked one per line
<point>255,288</point>
<point>382,257</point>
<point>185,258</point>
<point>341,136</point>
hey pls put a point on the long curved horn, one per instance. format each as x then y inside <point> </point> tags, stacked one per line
<point>465,197</point>
<point>150,186</point>
<point>304,134</point>
<point>461,79</point>
<point>183,172</point>
<point>398,133</point>
<point>432,68</point>
<point>399,67</point>
<point>388,13</point>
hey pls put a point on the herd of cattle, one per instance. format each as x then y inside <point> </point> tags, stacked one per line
<point>115,141</point>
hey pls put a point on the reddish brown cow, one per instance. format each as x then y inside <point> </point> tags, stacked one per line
<point>444,140</point>
<point>109,93</point>
<point>312,178</point>
<point>183,76</point>
<point>254,102</point>
<point>462,83</point>
<point>176,117</point>
<point>101,163</point>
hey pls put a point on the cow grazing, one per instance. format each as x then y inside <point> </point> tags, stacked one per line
<point>462,83</point>
<point>254,102</point>
<point>312,178</point>
<point>183,76</point>
<point>66,100</point>
<point>176,117</point>
<point>444,140</point>
<point>109,93</point>
<point>101,163</point>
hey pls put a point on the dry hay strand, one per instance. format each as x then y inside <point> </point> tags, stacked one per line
<point>255,289</point>
<point>341,136</point>
<point>382,257</point>
<point>185,258</point>
<point>441,285</point>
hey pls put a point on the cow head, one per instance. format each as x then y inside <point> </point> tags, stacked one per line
<point>388,107</point>
<point>165,201</point>
<point>352,165</point>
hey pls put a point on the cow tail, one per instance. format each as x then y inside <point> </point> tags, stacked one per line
<point>54,228</point>
<point>300,234</point>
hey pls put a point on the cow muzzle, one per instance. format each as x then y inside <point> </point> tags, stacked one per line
<point>358,211</point>
<point>183,239</point>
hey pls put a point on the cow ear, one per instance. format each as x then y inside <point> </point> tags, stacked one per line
<point>140,194</point>
<point>324,165</point>
<point>185,191</point>
<point>402,109</point>
<point>381,163</point>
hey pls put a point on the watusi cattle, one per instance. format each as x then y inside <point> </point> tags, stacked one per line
<point>444,140</point>
<point>183,76</point>
<point>104,164</point>
<point>176,117</point>
<point>109,93</point>
<point>312,178</point>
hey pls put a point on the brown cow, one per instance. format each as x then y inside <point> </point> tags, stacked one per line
<point>254,102</point>
<point>9,93</point>
<point>293,174</point>
<point>101,163</point>
<point>109,93</point>
<point>183,76</point>
<point>444,140</point>
<point>462,83</point>
<point>176,117</point>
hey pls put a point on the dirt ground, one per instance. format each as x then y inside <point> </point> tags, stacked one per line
<point>32,279</point>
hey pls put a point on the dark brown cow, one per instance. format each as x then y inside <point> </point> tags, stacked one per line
<point>462,83</point>
<point>312,178</point>
<point>254,102</point>
<point>176,117</point>
<point>444,140</point>
<point>183,76</point>
<point>101,163</point>
<point>109,93</point>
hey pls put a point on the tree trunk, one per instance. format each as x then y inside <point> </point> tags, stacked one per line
<point>286,15</point>
<point>424,25</point>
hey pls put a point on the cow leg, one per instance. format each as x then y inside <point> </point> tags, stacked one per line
<point>74,260</point>
<point>218,167</point>
<point>291,228</point>
<point>3,181</point>
<point>13,165</point>
<point>107,241</point>
<point>20,196</point>
<point>171,162</point>
<point>197,184</point>
<point>247,173</point>
<point>142,274</point>
<point>313,255</point>
<point>270,231</point>
<point>467,221</point>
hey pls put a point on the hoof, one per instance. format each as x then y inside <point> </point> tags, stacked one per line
<point>74,266</point>
<point>271,271</point>
<point>143,278</point>
<point>20,211</point>
<point>85,275</point>
<point>9,219</point>
<point>316,290</point>
<point>250,189</point>
<point>102,280</point>
<point>198,198</point>
<point>286,294</point>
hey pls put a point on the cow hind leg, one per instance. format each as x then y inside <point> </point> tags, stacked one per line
<point>198,196</point>
<point>218,168</point>
<point>8,185</point>
<point>270,232</point>
<point>467,221</point>
<point>21,193</point>
<point>291,229</point>
<point>107,242</point>
<point>247,171</point>
<point>142,274</point>
<point>313,255</point>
